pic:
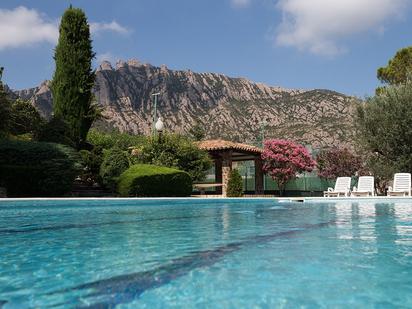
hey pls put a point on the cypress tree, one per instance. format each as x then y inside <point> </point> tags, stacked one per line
<point>234,186</point>
<point>73,78</point>
<point>5,109</point>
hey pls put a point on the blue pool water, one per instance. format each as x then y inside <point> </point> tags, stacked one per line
<point>205,254</point>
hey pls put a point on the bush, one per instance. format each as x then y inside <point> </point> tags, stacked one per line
<point>24,118</point>
<point>336,162</point>
<point>37,169</point>
<point>115,162</point>
<point>114,139</point>
<point>5,109</point>
<point>176,151</point>
<point>92,160</point>
<point>55,131</point>
<point>152,180</point>
<point>234,185</point>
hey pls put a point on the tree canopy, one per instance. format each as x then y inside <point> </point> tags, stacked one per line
<point>398,68</point>
<point>176,151</point>
<point>197,132</point>
<point>337,162</point>
<point>24,118</point>
<point>5,108</point>
<point>384,122</point>
<point>234,185</point>
<point>74,77</point>
<point>284,159</point>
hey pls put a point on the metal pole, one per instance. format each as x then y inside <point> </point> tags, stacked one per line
<point>154,112</point>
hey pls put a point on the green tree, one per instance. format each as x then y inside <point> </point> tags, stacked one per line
<point>5,109</point>
<point>115,162</point>
<point>55,131</point>
<point>92,160</point>
<point>73,78</point>
<point>176,151</point>
<point>376,165</point>
<point>234,185</point>
<point>335,162</point>
<point>398,68</point>
<point>24,118</point>
<point>384,123</point>
<point>114,139</point>
<point>197,132</point>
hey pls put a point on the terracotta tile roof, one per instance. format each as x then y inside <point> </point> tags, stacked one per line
<point>219,144</point>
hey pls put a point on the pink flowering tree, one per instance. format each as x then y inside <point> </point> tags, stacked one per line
<point>336,162</point>
<point>284,159</point>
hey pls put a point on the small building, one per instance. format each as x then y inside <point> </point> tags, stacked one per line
<point>224,153</point>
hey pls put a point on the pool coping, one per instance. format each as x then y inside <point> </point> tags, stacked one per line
<point>290,199</point>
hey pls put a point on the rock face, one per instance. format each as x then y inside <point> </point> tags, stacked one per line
<point>40,97</point>
<point>228,108</point>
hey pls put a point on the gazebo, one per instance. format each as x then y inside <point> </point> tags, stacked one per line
<point>224,153</point>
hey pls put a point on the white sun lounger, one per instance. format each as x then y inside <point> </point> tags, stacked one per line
<point>366,186</point>
<point>401,185</point>
<point>342,188</point>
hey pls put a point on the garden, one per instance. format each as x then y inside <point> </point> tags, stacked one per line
<point>46,157</point>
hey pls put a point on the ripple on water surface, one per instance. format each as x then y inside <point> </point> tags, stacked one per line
<point>211,254</point>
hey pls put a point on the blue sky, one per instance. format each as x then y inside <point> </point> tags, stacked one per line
<point>330,44</point>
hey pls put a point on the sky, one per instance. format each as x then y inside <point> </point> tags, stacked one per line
<point>306,44</point>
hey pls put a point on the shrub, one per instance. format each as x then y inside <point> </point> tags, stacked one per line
<point>114,139</point>
<point>152,180</point>
<point>24,118</point>
<point>55,131</point>
<point>92,160</point>
<point>234,185</point>
<point>115,162</point>
<point>5,109</point>
<point>336,162</point>
<point>37,169</point>
<point>176,151</point>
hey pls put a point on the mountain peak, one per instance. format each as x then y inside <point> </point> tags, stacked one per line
<point>228,108</point>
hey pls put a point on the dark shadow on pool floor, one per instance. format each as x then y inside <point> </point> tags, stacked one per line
<point>88,225</point>
<point>127,288</point>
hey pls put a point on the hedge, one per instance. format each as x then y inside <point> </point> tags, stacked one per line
<point>36,168</point>
<point>154,181</point>
<point>115,162</point>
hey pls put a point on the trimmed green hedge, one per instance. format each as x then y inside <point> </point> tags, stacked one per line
<point>155,181</point>
<point>37,169</point>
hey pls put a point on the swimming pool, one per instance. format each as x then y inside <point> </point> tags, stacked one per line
<point>205,254</point>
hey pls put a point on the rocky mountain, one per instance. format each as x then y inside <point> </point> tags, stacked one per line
<point>229,108</point>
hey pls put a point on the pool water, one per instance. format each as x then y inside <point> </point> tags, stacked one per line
<point>205,254</point>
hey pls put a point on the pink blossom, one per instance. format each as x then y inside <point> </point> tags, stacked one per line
<point>284,159</point>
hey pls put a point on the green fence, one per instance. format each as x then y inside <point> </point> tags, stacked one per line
<point>307,184</point>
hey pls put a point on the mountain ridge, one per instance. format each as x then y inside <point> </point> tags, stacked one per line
<point>227,107</point>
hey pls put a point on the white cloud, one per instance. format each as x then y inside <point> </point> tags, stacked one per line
<point>239,4</point>
<point>320,25</point>
<point>96,28</point>
<point>23,27</point>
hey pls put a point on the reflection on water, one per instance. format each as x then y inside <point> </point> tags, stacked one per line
<point>371,222</point>
<point>234,254</point>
